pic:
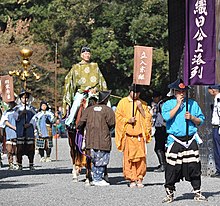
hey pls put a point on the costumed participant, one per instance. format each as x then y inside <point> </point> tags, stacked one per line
<point>160,131</point>
<point>83,81</point>
<point>25,129</point>
<point>132,132</point>
<point>214,90</point>
<point>182,152</point>
<point>8,122</point>
<point>1,134</point>
<point>98,120</point>
<point>43,122</point>
<point>3,108</point>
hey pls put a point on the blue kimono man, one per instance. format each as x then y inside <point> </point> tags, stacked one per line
<point>182,153</point>
<point>43,121</point>
<point>25,129</point>
<point>8,122</point>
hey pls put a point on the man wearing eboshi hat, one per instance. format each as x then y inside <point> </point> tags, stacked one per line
<point>182,153</point>
<point>83,79</point>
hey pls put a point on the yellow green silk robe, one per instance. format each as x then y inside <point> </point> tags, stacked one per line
<point>80,78</point>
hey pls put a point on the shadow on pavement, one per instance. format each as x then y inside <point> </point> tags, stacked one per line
<point>26,171</point>
<point>151,169</point>
<point>119,180</point>
<point>16,185</point>
<point>115,170</point>
<point>189,196</point>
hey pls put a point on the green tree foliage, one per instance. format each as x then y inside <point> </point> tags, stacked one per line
<point>110,27</point>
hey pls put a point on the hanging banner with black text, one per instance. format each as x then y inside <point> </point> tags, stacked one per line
<point>7,88</point>
<point>142,65</point>
<point>200,43</point>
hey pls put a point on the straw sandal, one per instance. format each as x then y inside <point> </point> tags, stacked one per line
<point>133,185</point>
<point>140,184</point>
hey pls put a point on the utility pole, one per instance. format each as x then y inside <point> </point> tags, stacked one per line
<point>55,91</point>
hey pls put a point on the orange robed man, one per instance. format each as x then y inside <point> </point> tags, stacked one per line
<point>131,134</point>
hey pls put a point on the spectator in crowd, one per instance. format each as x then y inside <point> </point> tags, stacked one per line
<point>59,129</point>
<point>160,131</point>
<point>214,90</point>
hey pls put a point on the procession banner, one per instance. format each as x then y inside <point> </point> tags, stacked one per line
<point>200,43</point>
<point>142,65</point>
<point>7,88</point>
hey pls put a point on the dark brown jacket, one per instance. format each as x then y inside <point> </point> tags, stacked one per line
<point>98,120</point>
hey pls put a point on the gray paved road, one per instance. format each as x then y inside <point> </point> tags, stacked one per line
<point>51,184</point>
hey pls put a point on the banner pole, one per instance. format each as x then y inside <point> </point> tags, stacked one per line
<point>134,85</point>
<point>187,93</point>
<point>56,54</point>
<point>187,121</point>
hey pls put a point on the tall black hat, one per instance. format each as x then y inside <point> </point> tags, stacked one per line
<point>178,85</point>
<point>103,95</point>
<point>23,92</point>
<point>85,49</point>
